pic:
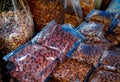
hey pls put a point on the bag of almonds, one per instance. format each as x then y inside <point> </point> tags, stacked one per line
<point>44,11</point>
<point>62,38</point>
<point>31,62</point>
<point>16,26</point>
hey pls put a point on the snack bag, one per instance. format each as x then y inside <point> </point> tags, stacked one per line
<point>87,54</point>
<point>71,71</point>
<point>72,12</point>
<point>44,11</point>
<point>101,17</point>
<point>16,26</point>
<point>110,60</point>
<point>104,76</point>
<point>31,62</point>
<point>94,34</point>
<point>62,38</point>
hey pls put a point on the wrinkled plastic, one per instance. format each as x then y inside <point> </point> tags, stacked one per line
<point>105,76</point>
<point>71,71</point>
<point>87,6</point>
<point>44,11</point>
<point>94,34</point>
<point>59,37</point>
<point>87,54</point>
<point>101,17</point>
<point>110,60</point>
<point>114,6</point>
<point>28,62</point>
<point>72,12</point>
<point>16,26</point>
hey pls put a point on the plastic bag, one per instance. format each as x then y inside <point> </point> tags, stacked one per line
<point>87,54</point>
<point>87,6</point>
<point>105,76</point>
<point>72,12</point>
<point>71,71</point>
<point>101,17</point>
<point>28,62</point>
<point>16,26</point>
<point>59,37</point>
<point>114,6</point>
<point>44,11</point>
<point>94,34</point>
<point>110,60</point>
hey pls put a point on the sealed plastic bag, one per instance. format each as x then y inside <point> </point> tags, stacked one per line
<point>94,34</point>
<point>44,11</point>
<point>72,12</point>
<point>87,54</point>
<point>114,6</point>
<point>101,17</point>
<point>105,76</point>
<point>110,60</point>
<point>71,71</point>
<point>28,62</point>
<point>59,37</point>
<point>16,26</point>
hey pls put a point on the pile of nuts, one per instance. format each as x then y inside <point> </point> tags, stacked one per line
<point>105,76</point>
<point>30,63</point>
<point>87,54</point>
<point>71,71</point>
<point>16,28</point>
<point>58,39</point>
<point>45,11</point>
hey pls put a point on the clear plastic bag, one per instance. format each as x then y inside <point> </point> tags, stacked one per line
<point>59,37</point>
<point>110,60</point>
<point>72,12</point>
<point>105,76</point>
<point>93,33</point>
<point>71,71</point>
<point>101,17</point>
<point>28,62</point>
<point>87,54</point>
<point>16,26</point>
<point>44,11</point>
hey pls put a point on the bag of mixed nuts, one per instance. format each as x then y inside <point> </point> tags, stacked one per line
<point>62,38</point>
<point>16,26</point>
<point>31,62</point>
